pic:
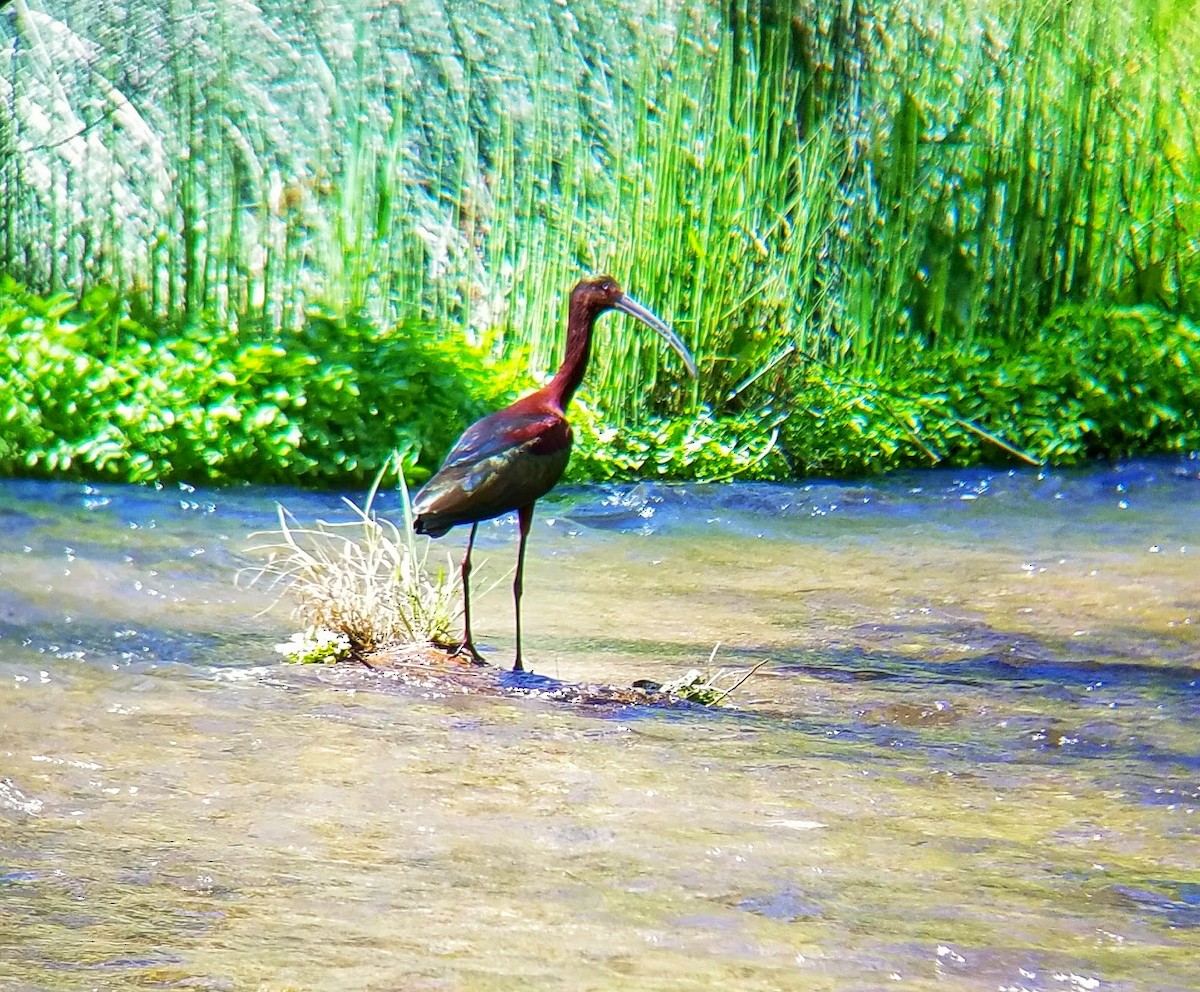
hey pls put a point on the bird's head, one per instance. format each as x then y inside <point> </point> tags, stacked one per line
<point>598,294</point>
<point>603,293</point>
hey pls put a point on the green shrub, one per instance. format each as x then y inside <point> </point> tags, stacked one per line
<point>699,446</point>
<point>1095,382</point>
<point>87,390</point>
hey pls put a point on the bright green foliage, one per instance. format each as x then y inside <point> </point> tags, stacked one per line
<point>88,390</point>
<point>315,646</point>
<point>1094,383</point>
<point>684,447</point>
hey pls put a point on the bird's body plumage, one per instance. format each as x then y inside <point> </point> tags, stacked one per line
<point>507,460</point>
<point>510,459</point>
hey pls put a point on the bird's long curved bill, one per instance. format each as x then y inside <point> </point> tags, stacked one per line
<point>631,306</point>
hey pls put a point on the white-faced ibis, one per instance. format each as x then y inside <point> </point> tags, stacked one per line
<point>510,459</point>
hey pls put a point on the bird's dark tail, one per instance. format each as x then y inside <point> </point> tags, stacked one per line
<point>423,526</point>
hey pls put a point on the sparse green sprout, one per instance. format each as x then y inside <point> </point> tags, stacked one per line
<point>695,687</point>
<point>362,580</point>
<point>315,646</point>
<point>704,687</point>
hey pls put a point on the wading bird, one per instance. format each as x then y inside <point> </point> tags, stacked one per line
<point>508,460</point>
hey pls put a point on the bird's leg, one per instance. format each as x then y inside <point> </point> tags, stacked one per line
<point>468,645</point>
<point>524,519</point>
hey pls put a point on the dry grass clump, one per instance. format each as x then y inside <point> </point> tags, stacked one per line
<point>363,579</point>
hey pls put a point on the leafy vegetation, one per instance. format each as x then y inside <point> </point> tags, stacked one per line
<point>1096,382</point>
<point>315,646</point>
<point>893,233</point>
<point>87,389</point>
<point>707,688</point>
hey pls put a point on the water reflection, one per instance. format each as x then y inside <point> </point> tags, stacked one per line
<point>971,761</point>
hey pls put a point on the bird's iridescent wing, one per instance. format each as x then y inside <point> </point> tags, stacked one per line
<point>493,435</point>
<point>501,463</point>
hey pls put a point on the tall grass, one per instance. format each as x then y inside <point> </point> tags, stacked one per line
<point>859,183</point>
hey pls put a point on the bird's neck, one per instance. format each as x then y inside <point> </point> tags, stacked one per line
<point>579,345</point>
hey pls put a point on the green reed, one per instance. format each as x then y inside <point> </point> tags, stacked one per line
<point>783,181</point>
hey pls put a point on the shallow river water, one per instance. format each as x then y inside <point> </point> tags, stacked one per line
<point>971,759</point>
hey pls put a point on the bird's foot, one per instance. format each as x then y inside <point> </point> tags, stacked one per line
<point>468,649</point>
<point>517,666</point>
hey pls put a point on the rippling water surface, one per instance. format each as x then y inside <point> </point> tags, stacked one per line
<point>971,759</point>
